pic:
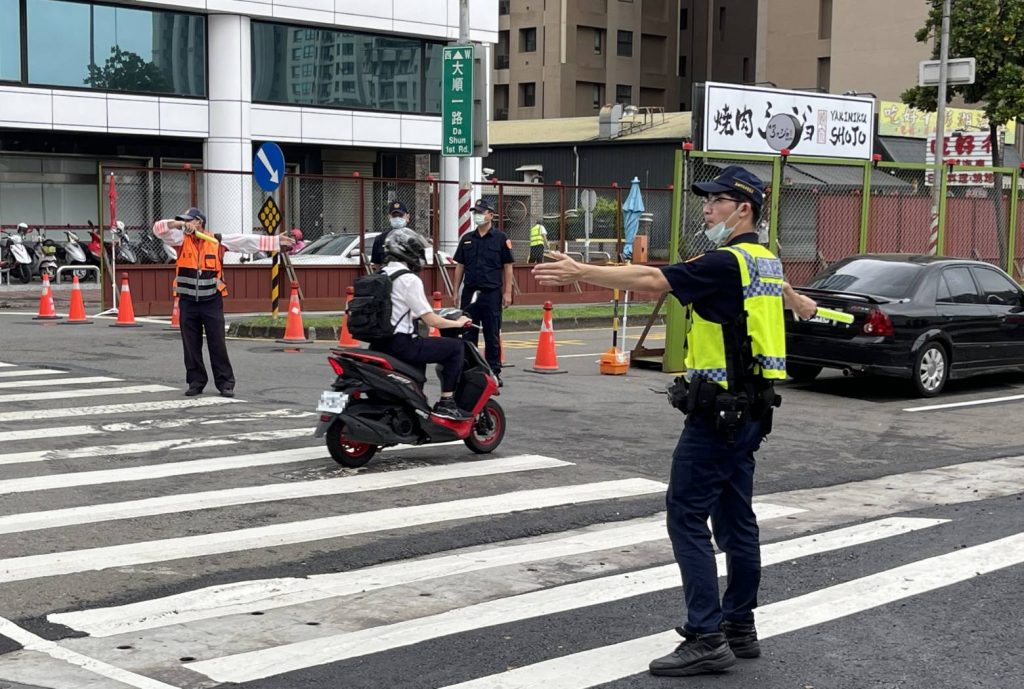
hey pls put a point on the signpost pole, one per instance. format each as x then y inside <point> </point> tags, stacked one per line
<point>465,188</point>
<point>940,132</point>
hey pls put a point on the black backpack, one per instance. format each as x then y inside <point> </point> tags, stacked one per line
<point>369,312</point>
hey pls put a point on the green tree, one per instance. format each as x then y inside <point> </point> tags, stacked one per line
<point>992,32</point>
<point>126,71</point>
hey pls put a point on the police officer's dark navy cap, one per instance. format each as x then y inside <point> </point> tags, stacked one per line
<point>192,214</point>
<point>736,180</point>
<point>397,207</point>
<point>483,206</point>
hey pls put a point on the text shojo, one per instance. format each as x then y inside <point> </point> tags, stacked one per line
<point>744,119</point>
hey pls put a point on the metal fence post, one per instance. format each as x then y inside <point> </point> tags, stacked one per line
<point>940,244</point>
<point>865,208</point>
<point>1011,239</point>
<point>561,214</point>
<point>675,329</point>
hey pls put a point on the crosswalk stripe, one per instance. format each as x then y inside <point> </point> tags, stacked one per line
<point>30,372</point>
<point>610,663</point>
<point>150,446</point>
<point>36,383</point>
<point>248,596</point>
<point>34,433</point>
<point>253,665</point>
<point>91,392</point>
<point>188,502</point>
<point>132,408</point>
<point>2,364</point>
<point>68,562</point>
<point>163,470</point>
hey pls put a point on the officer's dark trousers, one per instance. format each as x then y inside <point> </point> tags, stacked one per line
<point>486,312</point>
<point>195,317</point>
<point>536,253</point>
<point>447,351</point>
<point>711,479</point>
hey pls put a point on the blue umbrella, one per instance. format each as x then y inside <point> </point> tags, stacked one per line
<point>632,209</point>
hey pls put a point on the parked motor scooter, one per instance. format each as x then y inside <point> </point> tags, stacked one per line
<point>74,254</point>
<point>44,254</point>
<point>125,251</point>
<point>377,401</point>
<point>17,255</point>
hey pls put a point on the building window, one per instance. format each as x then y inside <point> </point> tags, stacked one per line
<point>824,19</point>
<point>682,65</point>
<point>527,95</point>
<point>684,19</point>
<point>824,73</point>
<point>374,66</point>
<point>598,41</point>
<point>527,40</point>
<point>10,40</point>
<point>503,6</point>
<point>297,35</point>
<point>721,23</point>
<point>131,49</point>
<point>747,76</point>
<point>625,44</point>
<point>623,94</point>
<point>598,96</point>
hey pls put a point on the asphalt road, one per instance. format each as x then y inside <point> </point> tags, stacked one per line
<point>151,541</point>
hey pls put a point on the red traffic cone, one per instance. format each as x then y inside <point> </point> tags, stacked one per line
<point>501,345</point>
<point>346,339</point>
<point>434,332</point>
<point>175,316</point>
<point>125,310</point>
<point>294,333</point>
<point>46,310</point>
<point>546,361</point>
<point>76,314</point>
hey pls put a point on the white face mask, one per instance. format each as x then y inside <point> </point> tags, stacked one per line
<point>479,219</point>
<point>719,232</point>
<point>397,223</point>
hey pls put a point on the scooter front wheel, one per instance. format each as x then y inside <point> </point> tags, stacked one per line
<point>488,429</point>
<point>347,453</point>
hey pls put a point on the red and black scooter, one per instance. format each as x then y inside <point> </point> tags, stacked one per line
<point>377,401</point>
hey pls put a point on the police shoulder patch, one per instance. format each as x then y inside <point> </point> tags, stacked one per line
<point>769,268</point>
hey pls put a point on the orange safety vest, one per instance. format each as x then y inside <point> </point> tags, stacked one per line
<point>200,271</point>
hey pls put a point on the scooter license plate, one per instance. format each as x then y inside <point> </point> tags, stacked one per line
<point>332,402</point>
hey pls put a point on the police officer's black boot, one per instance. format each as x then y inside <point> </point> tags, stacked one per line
<point>697,655</point>
<point>742,638</point>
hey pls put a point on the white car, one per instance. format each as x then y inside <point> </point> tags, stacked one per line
<point>331,249</point>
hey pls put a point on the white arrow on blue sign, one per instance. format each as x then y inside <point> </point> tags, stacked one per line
<point>268,167</point>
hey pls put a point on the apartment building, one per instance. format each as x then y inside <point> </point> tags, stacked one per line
<point>568,58</point>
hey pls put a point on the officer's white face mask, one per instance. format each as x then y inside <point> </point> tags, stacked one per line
<point>720,231</point>
<point>479,219</point>
<point>397,223</point>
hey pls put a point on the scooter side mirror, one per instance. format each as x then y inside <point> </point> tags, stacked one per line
<point>451,313</point>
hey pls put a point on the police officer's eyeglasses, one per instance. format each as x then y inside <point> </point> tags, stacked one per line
<point>712,200</point>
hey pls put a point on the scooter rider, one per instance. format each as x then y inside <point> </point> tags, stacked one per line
<point>405,250</point>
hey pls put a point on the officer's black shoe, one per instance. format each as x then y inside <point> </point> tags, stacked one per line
<point>697,655</point>
<point>227,392</point>
<point>742,639</point>
<point>501,383</point>
<point>192,392</point>
<point>447,409</point>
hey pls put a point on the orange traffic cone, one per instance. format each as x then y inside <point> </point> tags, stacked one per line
<point>76,314</point>
<point>125,310</point>
<point>434,332</point>
<point>175,316</point>
<point>501,344</point>
<point>294,333</point>
<point>546,361</point>
<point>346,339</point>
<point>46,310</point>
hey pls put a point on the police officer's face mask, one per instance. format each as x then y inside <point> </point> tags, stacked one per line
<point>398,222</point>
<point>479,219</point>
<point>720,231</point>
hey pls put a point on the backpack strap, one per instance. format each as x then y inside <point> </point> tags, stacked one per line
<point>394,276</point>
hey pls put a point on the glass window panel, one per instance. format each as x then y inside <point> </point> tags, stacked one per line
<point>10,40</point>
<point>116,48</point>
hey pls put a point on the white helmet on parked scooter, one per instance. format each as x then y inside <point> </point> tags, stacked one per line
<point>23,227</point>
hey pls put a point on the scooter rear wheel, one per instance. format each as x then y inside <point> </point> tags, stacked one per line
<point>488,429</point>
<point>348,453</point>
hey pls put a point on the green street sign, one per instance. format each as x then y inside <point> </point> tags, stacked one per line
<point>457,106</point>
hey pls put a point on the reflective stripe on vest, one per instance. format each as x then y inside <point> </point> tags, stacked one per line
<point>199,270</point>
<point>761,280</point>
<point>536,238</point>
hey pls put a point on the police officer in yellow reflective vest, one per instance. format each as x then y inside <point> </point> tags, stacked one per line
<point>736,350</point>
<point>538,242</point>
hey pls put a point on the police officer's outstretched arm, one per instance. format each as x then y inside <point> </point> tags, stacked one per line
<point>565,271</point>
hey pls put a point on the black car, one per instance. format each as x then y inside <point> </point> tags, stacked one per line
<point>925,318</point>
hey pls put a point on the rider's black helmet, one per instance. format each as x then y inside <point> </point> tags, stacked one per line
<point>407,246</point>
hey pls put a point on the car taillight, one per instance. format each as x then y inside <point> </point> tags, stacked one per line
<point>878,324</point>
<point>338,370</point>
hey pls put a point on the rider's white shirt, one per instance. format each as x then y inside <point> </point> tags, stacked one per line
<point>407,295</point>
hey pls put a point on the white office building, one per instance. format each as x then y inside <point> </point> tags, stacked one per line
<point>343,85</point>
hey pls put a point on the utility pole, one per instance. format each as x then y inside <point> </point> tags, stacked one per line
<point>940,130</point>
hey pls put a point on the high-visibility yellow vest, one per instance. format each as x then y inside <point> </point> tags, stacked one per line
<point>536,236</point>
<point>708,351</point>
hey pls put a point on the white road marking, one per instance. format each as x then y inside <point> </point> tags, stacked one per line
<point>188,502</point>
<point>610,663</point>
<point>92,559</point>
<point>253,665</point>
<point>30,372</point>
<point>568,356</point>
<point>970,403</point>
<point>132,408</point>
<point>92,392</point>
<point>248,596</point>
<point>36,383</point>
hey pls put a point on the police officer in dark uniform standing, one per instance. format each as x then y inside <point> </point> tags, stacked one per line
<point>398,216</point>
<point>735,351</point>
<point>484,267</point>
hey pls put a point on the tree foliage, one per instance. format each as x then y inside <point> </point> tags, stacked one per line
<point>126,71</point>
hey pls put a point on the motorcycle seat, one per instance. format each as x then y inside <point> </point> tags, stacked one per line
<point>414,372</point>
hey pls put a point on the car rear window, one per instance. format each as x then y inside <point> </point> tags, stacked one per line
<point>869,276</point>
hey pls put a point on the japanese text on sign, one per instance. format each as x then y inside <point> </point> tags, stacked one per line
<point>744,120</point>
<point>968,150</point>
<point>457,105</point>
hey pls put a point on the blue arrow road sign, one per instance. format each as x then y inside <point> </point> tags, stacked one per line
<point>268,167</point>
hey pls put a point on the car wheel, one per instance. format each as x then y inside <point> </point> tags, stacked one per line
<point>931,370</point>
<point>802,373</point>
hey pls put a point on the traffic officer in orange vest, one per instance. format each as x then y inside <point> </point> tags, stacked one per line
<point>200,287</point>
